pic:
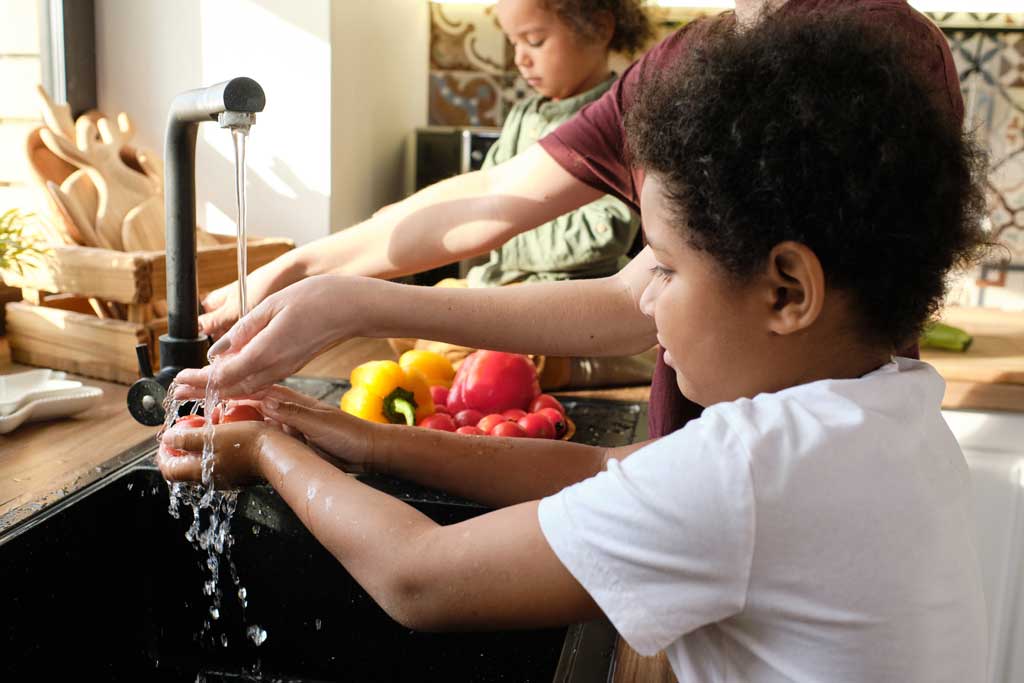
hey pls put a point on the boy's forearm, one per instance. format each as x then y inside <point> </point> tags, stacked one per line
<point>570,318</point>
<point>364,529</point>
<point>494,471</point>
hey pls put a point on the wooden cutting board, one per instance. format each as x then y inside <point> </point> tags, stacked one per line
<point>989,375</point>
<point>143,228</point>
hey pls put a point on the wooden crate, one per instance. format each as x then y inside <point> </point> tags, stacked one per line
<point>62,333</point>
<point>136,277</point>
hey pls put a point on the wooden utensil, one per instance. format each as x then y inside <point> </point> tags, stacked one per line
<point>153,167</point>
<point>45,165</point>
<point>118,187</point>
<point>75,222</point>
<point>79,188</point>
<point>143,228</point>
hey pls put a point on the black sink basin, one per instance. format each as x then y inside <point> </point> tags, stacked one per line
<point>105,584</point>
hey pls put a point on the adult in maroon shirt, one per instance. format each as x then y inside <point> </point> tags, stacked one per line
<point>591,145</point>
<point>473,213</point>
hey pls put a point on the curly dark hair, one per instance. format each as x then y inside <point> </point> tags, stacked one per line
<point>632,27</point>
<point>814,127</point>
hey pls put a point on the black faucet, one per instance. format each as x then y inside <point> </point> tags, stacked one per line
<point>233,104</point>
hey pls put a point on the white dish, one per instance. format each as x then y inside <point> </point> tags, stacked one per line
<point>18,390</point>
<point>67,403</point>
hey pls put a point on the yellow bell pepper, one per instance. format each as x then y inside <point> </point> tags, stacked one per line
<point>383,392</point>
<point>433,367</point>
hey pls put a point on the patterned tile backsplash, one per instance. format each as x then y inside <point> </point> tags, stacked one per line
<point>474,82</point>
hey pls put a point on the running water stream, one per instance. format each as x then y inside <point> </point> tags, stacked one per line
<point>212,509</point>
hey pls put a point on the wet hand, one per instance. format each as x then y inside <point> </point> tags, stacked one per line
<point>237,448</point>
<point>282,334</point>
<point>345,438</point>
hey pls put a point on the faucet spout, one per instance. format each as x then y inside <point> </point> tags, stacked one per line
<point>233,104</point>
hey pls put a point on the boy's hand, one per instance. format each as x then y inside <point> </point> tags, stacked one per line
<point>344,437</point>
<point>237,447</point>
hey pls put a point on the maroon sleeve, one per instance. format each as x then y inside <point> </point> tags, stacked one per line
<point>591,145</point>
<point>929,52</point>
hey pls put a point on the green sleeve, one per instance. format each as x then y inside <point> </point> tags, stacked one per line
<point>591,241</point>
<point>504,148</point>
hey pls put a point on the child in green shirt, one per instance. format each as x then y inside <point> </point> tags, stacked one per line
<point>561,50</point>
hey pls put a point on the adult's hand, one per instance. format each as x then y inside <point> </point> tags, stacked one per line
<point>221,305</point>
<point>278,337</point>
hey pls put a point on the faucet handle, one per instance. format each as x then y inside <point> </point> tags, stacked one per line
<point>145,367</point>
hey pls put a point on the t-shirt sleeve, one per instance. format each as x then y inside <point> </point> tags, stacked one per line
<point>591,145</point>
<point>662,541</point>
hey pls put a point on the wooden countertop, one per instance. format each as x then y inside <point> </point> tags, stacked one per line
<point>989,375</point>
<point>40,462</point>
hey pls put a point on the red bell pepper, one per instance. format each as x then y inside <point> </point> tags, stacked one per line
<point>493,381</point>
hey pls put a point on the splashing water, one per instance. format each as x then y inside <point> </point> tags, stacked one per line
<point>208,504</point>
<point>238,136</point>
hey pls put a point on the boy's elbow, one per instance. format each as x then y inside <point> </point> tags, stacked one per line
<point>412,602</point>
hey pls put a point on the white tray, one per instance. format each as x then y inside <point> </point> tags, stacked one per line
<point>18,390</point>
<point>67,403</point>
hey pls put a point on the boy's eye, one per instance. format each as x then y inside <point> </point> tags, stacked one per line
<point>535,43</point>
<point>663,273</point>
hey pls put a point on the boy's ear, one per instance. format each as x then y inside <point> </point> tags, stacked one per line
<point>795,284</point>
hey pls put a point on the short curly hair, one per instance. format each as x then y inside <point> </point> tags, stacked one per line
<point>814,127</point>
<point>632,26</point>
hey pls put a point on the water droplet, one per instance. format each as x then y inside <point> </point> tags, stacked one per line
<point>256,634</point>
<point>255,530</point>
<point>319,624</point>
<point>241,593</point>
<point>224,639</point>
<point>214,613</point>
<point>130,484</point>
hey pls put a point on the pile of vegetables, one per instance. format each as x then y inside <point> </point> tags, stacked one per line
<point>492,393</point>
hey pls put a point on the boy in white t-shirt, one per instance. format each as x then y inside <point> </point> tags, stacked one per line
<point>803,201</point>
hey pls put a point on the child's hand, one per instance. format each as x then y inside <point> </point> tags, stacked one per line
<point>337,434</point>
<point>237,447</point>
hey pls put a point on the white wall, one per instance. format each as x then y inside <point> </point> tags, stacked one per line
<point>380,62</point>
<point>336,112</point>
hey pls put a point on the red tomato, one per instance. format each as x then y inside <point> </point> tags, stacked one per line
<point>442,421</point>
<point>513,413</point>
<point>488,422</point>
<point>468,417</point>
<point>470,429</point>
<point>239,412</point>
<point>546,401</point>
<point>508,429</point>
<point>440,409</point>
<point>439,394</point>
<point>537,426</point>
<point>557,420</point>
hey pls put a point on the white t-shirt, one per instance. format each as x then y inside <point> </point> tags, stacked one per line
<point>821,533</point>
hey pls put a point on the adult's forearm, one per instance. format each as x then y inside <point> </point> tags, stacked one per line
<point>451,220</point>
